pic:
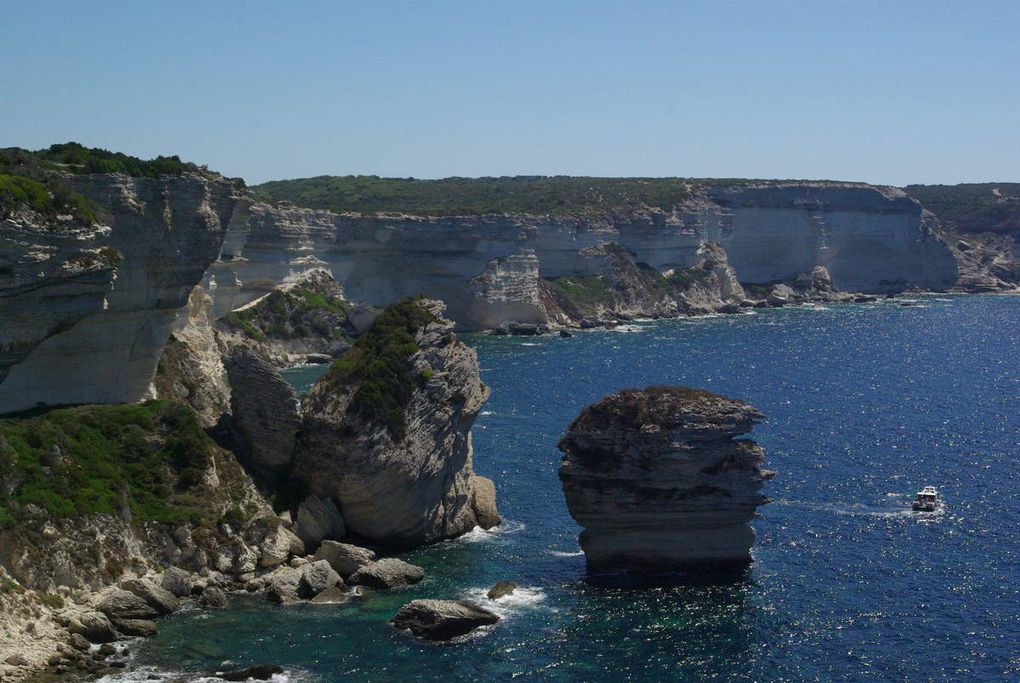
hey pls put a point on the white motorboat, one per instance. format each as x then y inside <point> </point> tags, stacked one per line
<point>927,500</point>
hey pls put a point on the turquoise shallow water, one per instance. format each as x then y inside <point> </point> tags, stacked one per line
<point>865,404</point>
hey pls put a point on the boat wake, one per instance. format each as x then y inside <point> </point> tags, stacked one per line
<point>564,553</point>
<point>852,509</point>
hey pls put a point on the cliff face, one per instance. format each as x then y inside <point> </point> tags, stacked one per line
<point>871,239</point>
<point>386,433</point>
<point>87,309</point>
<point>659,483</point>
<point>487,268</point>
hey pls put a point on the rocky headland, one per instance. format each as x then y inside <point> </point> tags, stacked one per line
<point>660,483</point>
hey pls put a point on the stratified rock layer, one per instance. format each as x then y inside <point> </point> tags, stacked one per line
<point>86,310</point>
<point>659,483</point>
<point>386,436</point>
<point>490,269</point>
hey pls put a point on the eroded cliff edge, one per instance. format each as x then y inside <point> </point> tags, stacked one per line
<point>87,306</point>
<point>660,484</point>
<point>492,268</point>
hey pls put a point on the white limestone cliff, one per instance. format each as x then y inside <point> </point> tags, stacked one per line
<point>87,310</point>
<point>870,239</point>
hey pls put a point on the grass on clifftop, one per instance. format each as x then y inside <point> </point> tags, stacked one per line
<point>290,315</point>
<point>33,178</point>
<point>380,364</point>
<point>73,157</point>
<point>973,207</point>
<point>542,195</point>
<point>149,458</point>
<point>47,198</point>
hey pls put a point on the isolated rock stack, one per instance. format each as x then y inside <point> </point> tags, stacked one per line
<point>659,483</point>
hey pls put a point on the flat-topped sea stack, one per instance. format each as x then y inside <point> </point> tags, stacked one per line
<point>660,484</point>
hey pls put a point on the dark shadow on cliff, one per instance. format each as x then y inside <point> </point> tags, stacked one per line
<point>709,575</point>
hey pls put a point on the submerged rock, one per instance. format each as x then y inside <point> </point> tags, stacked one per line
<point>659,483</point>
<point>259,672</point>
<point>442,619</point>
<point>331,596</point>
<point>501,589</point>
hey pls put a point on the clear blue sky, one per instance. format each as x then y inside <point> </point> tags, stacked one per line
<point>895,91</point>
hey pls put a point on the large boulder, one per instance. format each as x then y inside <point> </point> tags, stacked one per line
<point>286,586</point>
<point>136,628</point>
<point>122,604</point>
<point>177,582</point>
<point>483,502</point>
<point>279,544</point>
<point>388,572</point>
<point>386,431</point>
<point>281,587</point>
<point>94,626</point>
<point>318,519</point>
<point>316,577</point>
<point>781,295</point>
<point>442,619</point>
<point>502,589</point>
<point>659,483</point>
<point>160,599</point>
<point>213,597</point>
<point>345,558</point>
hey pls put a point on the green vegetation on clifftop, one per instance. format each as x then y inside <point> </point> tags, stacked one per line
<point>49,199</point>
<point>149,459</point>
<point>380,364</point>
<point>972,207</point>
<point>73,157</point>
<point>543,195</point>
<point>291,314</point>
<point>33,179</point>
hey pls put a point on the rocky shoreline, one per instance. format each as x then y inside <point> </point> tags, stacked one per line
<point>91,634</point>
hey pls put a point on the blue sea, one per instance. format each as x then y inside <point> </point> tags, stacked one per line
<point>865,405</point>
